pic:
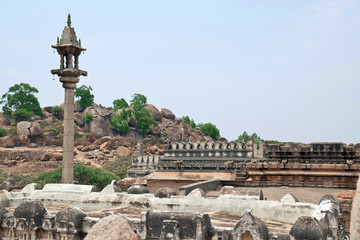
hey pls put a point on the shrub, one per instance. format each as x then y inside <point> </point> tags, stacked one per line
<point>245,137</point>
<point>21,179</point>
<point>82,174</point>
<point>120,104</point>
<point>209,129</point>
<point>86,99</point>
<point>143,118</point>
<point>189,121</point>
<point>58,111</point>
<point>87,117</point>
<point>119,166</point>
<point>138,99</point>
<point>21,96</point>
<point>12,131</point>
<point>21,115</point>
<point>2,132</point>
<point>120,123</point>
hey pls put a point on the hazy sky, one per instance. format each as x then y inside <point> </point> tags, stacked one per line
<point>287,70</point>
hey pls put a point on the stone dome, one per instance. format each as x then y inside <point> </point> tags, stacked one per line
<point>70,218</point>
<point>31,210</point>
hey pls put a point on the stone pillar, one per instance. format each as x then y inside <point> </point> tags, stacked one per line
<point>69,83</point>
<point>355,215</point>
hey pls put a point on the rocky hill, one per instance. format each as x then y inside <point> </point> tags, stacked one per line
<point>95,141</point>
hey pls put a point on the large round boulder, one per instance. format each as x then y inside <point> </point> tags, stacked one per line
<point>154,111</point>
<point>165,192</point>
<point>137,189</point>
<point>167,113</point>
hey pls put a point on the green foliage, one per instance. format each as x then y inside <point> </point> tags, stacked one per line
<point>120,104</point>
<point>189,121</point>
<point>59,129</point>
<point>86,99</point>
<point>12,131</point>
<point>137,114</point>
<point>209,129</point>
<point>21,179</point>
<point>143,119</point>
<point>21,115</point>
<point>88,117</point>
<point>21,96</point>
<point>82,174</point>
<point>2,132</point>
<point>138,99</point>
<point>58,111</point>
<point>120,123</point>
<point>119,166</point>
<point>245,137</point>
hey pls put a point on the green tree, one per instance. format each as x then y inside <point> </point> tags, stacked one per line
<point>120,104</point>
<point>138,99</point>
<point>142,117</point>
<point>209,129</point>
<point>189,121</point>
<point>245,137</point>
<point>120,121</point>
<point>86,99</point>
<point>88,117</point>
<point>21,101</point>
<point>82,174</point>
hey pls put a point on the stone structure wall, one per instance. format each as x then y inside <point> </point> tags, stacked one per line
<point>180,217</point>
<point>314,165</point>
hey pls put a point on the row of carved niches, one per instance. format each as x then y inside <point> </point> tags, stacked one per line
<point>303,181</point>
<point>212,153</point>
<point>211,145</point>
<point>214,164</point>
<point>152,159</point>
<point>313,150</point>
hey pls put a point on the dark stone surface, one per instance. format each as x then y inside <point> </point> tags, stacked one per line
<point>187,224</point>
<point>137,189</point>
<point>253,225</point>
<point>165,192</point>
<point>31,210</point>
<point>70,218</point>
<point>3,211</point>
<point>309,228</point>
<point>210,185</point>
<point>331,198</point>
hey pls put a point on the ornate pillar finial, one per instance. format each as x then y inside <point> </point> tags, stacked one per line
<point>69,20</point>
<point>79,42</point>
<point>58,40</point>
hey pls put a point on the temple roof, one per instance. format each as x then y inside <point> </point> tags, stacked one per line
<point>69,36</point>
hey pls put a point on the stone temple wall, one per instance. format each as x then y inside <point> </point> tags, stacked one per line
<point>31,220</point>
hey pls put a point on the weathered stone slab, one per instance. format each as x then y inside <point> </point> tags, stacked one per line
<point>69,188</point>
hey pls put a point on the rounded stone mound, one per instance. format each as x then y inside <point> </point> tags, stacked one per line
<point>31,210</point>
<point>137,189</point>
<point>165,192</point>
<point>70,215</point>
<point>113,227</point>
<point>309,228</point>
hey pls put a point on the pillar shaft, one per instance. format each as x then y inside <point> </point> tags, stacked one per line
<point>68,144</point>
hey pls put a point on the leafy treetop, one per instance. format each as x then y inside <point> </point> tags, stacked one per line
<point>209,129</point>
<point>86,98</point>
<point>21,97</point>
<point>120,104</point>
